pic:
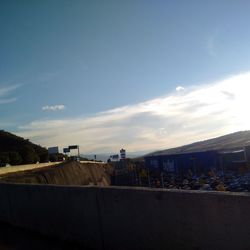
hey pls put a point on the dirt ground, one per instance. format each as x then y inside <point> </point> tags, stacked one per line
<point>68,173</point>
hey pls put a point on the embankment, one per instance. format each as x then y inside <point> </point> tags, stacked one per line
<point>110,218</point>
<point>69,173</point>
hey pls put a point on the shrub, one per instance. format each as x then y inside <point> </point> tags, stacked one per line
<point>4,159</point>
<point>15,158</point>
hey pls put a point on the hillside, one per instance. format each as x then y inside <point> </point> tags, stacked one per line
<point>16,150</point>
<point>235,140</point>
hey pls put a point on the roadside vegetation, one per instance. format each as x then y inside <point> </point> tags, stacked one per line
<point>15,150</point>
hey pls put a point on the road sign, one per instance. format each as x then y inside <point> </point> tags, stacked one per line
<point>66,150</point>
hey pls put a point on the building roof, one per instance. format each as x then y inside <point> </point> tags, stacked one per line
<point>231,142</point>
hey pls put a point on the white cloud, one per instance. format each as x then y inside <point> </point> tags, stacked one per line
<point>54,107</point>
<point>179,88</point>
<point>198,113</point>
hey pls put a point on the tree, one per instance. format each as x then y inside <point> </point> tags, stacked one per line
<point>4,159</point>
<point>52,157</point>
<point>57,157</point>
<point>15,158</point>
<point>44,156</point>
<point>12,143</point>
<point>29,155</point>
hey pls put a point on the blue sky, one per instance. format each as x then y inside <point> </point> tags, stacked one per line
<point>89,72</point>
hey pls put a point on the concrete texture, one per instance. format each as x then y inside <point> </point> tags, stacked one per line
<point>14,238</point>
<point>130,218</point>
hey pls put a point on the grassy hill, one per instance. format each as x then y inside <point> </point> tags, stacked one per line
<point>16,150</point>
<point>235,140</point>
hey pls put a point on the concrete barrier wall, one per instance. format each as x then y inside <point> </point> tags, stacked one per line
<point>130,218</point>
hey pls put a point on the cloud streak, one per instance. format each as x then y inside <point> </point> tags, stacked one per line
<point>54,107</point>
<point>198,113</point>
<point>211,43</point>
<point>7,90</point>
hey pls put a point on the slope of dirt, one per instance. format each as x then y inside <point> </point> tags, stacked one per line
<point>69,173</point>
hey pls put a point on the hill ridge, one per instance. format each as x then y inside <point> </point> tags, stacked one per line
<point>232,141</point>
<point>17,150</point>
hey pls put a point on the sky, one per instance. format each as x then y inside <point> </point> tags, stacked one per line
<point>142,75</point>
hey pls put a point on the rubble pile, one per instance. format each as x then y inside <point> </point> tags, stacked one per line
<point>212,182</point>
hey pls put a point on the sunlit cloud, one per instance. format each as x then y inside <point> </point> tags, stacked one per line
<point>200,112</point>
<point>54,107</point>
<point>179,88</point>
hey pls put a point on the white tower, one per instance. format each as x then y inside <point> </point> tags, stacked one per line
<point>123,154</point>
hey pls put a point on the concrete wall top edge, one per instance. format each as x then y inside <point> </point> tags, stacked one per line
<point>127,188</point>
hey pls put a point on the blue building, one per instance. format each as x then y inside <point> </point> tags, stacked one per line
<point>182,163</point>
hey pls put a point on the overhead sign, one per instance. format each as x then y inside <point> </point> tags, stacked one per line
<point>66,150</point>
<point>53,150</point>
<point>73,147</point>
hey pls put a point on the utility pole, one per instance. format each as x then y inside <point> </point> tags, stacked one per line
<point>78,152</point>
<point>162,181</point>
<point>149,182</point>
